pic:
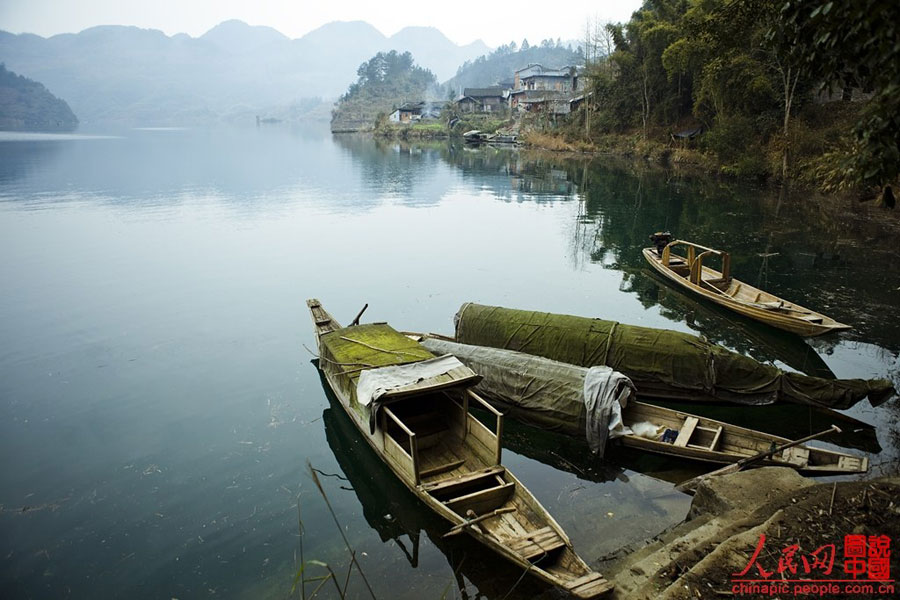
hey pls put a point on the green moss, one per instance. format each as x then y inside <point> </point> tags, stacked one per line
<point>376,345</point>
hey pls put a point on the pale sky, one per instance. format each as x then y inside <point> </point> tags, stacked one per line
<point>462,21</point>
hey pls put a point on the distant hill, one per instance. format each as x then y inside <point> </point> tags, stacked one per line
<point>26,105</point>
<point>142,76</point>
<point>500,64</point>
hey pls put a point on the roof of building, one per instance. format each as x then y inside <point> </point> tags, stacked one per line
<point>537,70</point>
<point>483,92</point>
<point>411,106</point>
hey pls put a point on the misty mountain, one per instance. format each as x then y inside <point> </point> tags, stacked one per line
<point>26,105</point>
<point>142,76</point>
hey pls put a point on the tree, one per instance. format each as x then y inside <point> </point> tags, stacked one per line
<point>525,45</point>
<point>735,50</point>
<point>854,45</point>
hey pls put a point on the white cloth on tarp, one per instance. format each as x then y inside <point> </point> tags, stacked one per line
<point>606,393</point>
<point>374,383</point>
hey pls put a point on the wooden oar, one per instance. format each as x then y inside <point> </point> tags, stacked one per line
<point>459,528</point>
<point>690,485</point>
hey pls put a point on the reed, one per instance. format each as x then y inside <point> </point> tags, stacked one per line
<point>300,578</point>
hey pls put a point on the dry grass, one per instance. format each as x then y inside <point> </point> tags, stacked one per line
<point>546,141</point>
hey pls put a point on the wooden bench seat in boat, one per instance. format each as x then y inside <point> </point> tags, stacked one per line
<point>588,586</point>
<point>536,544</point>
<point>811,318</point>
<point>480,491</point>
<point>462,481</point>
<point>717,280</point>
<point>442,468</point>
<point>851,463</point>
<point>796,456</point>
<point>690,427</point>
<point>482,501</point>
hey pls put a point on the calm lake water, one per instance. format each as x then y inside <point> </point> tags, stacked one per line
<point>159,407</point>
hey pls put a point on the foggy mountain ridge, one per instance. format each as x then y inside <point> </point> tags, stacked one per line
<point>129,75</point>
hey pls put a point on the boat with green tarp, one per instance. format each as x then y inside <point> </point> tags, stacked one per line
<point>662,363</point>
<point>552,395</point>
<point>413,409</point>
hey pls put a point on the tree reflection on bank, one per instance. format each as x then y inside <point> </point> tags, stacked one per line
<point>827,253</point>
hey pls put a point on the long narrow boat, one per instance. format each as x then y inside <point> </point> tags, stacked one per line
<point>412,408</point>
<point>720,287</point>
<point>551,395</point>
<point>709,440</point>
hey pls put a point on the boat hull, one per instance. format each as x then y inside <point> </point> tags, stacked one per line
<point>550,395</point>
<point>798,320</point>
<point>567,570</point>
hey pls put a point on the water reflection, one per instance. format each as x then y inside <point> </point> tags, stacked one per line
<point>815,251</point>
<point>411,174</point>
<point>725,327</point>
<point>152,335</point>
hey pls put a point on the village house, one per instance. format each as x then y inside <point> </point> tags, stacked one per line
<point>489,99</point>
<point>538,77</point>
<point>540,89</point>
<point>409,112</point>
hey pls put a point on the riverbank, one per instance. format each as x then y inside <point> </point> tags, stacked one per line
<point>771,526</point>
<point>448,126</point>
<point>730,148</point>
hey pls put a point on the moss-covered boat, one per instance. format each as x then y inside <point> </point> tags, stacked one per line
<point>662,363</point>
<point>551,395</point>
<point>720,287</point>
<point>412,408</point>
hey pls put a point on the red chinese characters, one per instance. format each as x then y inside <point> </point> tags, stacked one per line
<point>879,557</point>
<point>865,557</point>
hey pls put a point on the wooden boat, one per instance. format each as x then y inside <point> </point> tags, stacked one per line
<point>424,432</point>
<point>550,394</point>
<point>691,436</point>
<point>723,289</point>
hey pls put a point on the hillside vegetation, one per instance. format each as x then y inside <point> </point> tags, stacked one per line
<point>788,90</point>
<point>500,64</point>
<point>26,105</point>
<point>384,82</point>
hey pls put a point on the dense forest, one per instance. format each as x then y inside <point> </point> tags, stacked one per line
<point>385,81</point>
<point>26,105</point>
<point>500,64</point>
<point>799,89</point>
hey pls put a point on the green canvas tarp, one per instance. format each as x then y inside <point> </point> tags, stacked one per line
<point>539,392</point>
<point>662,363</point>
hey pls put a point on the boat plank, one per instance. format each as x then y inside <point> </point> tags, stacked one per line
<point>537,543</point>
<point>687,430</point>
<point>460,479</point>
<point>482,501</point>
<point>440,469</point>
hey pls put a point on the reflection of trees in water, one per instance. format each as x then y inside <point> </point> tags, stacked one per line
<point>17,159</point>
<point>829,254</point>
<point>796,248</point>
<point>397,169</point>
<point>513,174</point>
